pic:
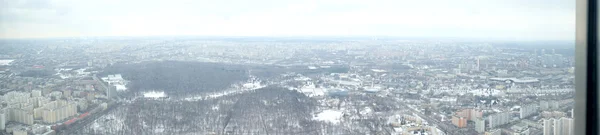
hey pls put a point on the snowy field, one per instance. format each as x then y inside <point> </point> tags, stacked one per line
<point>5,62</point>
<point>155,94</point>
<point>246,87</point>
<point>332,116</point>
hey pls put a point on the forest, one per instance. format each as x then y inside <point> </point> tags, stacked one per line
<point>269,110</point>
<point>179,78</point>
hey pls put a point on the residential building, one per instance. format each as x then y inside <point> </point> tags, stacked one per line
<point>498,119</point>
<point>479,125</point>
<point>460,122</point>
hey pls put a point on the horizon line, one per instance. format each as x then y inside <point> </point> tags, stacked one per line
<point>386,37</point>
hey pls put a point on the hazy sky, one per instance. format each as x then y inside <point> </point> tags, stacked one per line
<point>482,19</point>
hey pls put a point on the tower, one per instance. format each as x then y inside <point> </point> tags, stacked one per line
<point>2,119</point>
<point>478,67</point>
<point>479,125</point>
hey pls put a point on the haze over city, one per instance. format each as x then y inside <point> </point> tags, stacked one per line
<point>490,19</point>
<point>261,67</point>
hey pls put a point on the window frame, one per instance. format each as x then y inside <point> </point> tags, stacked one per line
<point>586,68</point>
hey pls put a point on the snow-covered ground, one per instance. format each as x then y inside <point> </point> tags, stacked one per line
<point>245,88</point>
<point>302,78</point>
<point>378,70</point>
<point>155,94</point>
<point>6,62</point>
<point>493,92</point>
<point>108,123</point>
<point>312,92</point>
<point>117,81</point>
<point>333,116</point>
<point>120,87</point>
<point>251,85</point>
<point>78,73</point>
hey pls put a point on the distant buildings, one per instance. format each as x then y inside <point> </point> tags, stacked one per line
<point>548,129</point>
<point>36,93</point>
<point>494,132</point>
<point>479,125</point>
<point>527,110</point>
<point>519,129</point>
<point>21,115</point>
<point>2,120</point>
<point>117,81</point>
<point>461,117</point>
<point>553,114</point>
<point>58,110</point>
<point>111,92</point>
<point>470,114</point>
<point>25,107</point>
<point>458,121</point>
<point>411,124</point>
<point>19,132</point>
<point>499,119</point>
<point>544,105</point>
<point>558,126</point>
<point>548,105</point>
<point>20,107</point>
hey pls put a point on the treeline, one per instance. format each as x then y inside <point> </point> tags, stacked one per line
<point>270,110</point>
<point>177,78</point>
<point>38,73</point>
<point>184,78</point>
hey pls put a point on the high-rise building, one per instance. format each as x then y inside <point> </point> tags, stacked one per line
<point>548,126</point>
<point>479,125</point>
<point>567,126</point>
<point>543,51</point>
<point>498,119</point>
<point>557,126</point>
<point>58,110</point>
<point>460,122</point>
<point>553,105</point>
<point>527,110</point>
<point>20,115</point>
<point>67,94</point>
<point>111,92</point>
<point>470,114</point>
<point>553,114</point>
<point>36,93</point>
<point>2,120</point>
<point>478,65</point>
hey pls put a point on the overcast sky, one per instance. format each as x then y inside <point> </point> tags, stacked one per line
<point>481,19</point>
